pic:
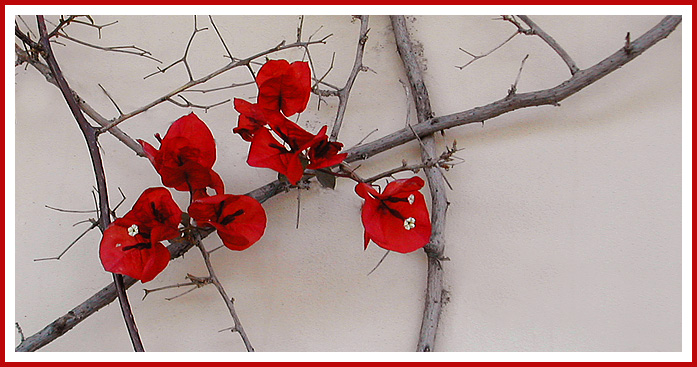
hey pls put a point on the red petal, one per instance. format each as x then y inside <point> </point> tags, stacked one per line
<point>402,186</point>
<point>285,87</point>
<point>265,151</point>
<point>366,191</point>
<point>250,121</point>
<point>239,219</point>
<point>143,264</point>
<point>156,212</point>
<point>270,70</point>
<point>150,152</point>
<point>190,127</point>
<point>296,88</point>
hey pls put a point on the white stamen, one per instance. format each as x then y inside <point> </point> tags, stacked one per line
<point>411,199</point>
<point>409,223</point>
<point>133,230</point>
<point>118,245</point>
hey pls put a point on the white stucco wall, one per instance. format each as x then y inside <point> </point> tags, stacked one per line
<point>564,230</point>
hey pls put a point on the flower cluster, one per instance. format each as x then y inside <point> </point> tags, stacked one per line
<point>396,219</point>
<point>131,245</point>
<point>276,142</point>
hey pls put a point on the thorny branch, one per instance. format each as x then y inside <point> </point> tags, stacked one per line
<point>552,43</point>
<point>344,92</point>
<point>90,135</point>
<point>551,96</point>
<point>435,293</point>
<point>184,59</point>
<point>233,64</point>
<point>229,302</point>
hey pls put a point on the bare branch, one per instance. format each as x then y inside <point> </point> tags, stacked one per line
<point>379,262</point>
<point>346,90</point>
<point>477,57</point>
<point>93,226</point>
<point>128,49</point>
<point>551,96</point>
<point>91,139</point>
<point>89,111</point>
<point>552,43</point>
<point>188,104</point>
<point>221,38</point>
<point>439,202</point>
<point>183,59</point>
<point>514,86</point>
<point>111,99</point>
<point>228,301</point>
<point>234,64</point>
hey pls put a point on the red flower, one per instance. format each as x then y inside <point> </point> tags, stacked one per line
<point>324,152</point>
<point>396,219</point>
<point>284,156</point>
<point>239,219</point>
<point>125,250</point>
<point>156,213</point>
<point>131,245</point>
<point>186,156</point>
<point>284,87</point>
<point>251,119</point>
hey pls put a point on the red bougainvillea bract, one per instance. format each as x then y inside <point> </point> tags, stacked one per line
<point>239,219</point>
<point>186,156</point>
<point>396,219</point>
<point>131,245</point>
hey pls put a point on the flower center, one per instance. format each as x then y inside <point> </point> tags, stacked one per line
<point>133,230</point>
<point>410,199</point>
<point>409,223</point>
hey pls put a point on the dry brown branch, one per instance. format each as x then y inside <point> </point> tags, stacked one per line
<point>184,59</point>
<point>436,183</point>
<point>86,108</point>
<point>552,43</point>
<point>90,136</point>
<point>233,64</point>
<point>229,302</point>
<point>128,49</point>
<point>344,92</point>
<point>480,56</point>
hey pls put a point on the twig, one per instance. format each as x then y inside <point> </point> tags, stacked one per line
<point>86,108</point>
<point>553,95</point>
<point>228,301</point>
<point>233,85</point>
<point>552,43</point>
<point>93,226</point>
<point>514,86</point>
<point>91,137</point>
<point>439,203</point>
<point>379,262</point>
<point>184,58</point>
<point>477,57</point>
<point>346,90</point>
<point>111,99</point>
<point>233,64</point>
<point>188,104</point>
<point>71,211</point>
<point>403,168</point>
<point>221,38</point>
<point>129,49</point>
<point>20,332</point>
<point>194,280</point>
